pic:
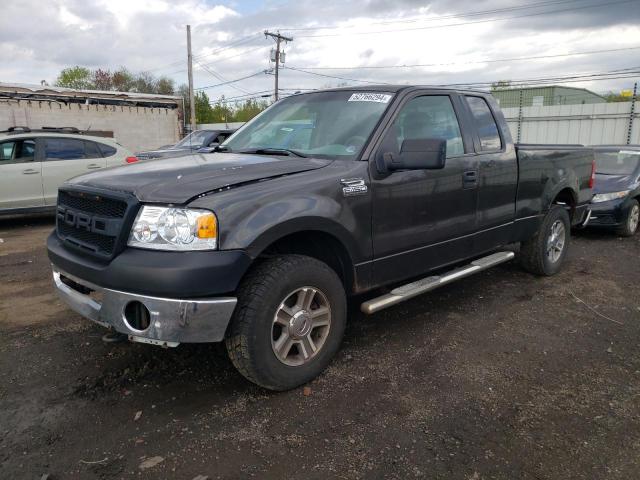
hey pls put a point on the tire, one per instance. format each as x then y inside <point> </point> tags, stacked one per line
<point>266,319</point>
<point>536,256</point>
<point>630,225</point>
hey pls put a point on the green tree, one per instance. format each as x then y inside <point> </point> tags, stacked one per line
<point>622,96</point>
<point>249,109</point>
<point>123,80</point>
<point>75,77</point>
<point>165,86</point>
<point>204,111</point>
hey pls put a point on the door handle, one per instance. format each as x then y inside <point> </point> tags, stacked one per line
<point>490,163</point>
<point>30,171</point>
<point>470,179</point>
<point>93,166</point>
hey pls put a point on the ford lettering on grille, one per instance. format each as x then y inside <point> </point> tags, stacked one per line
<point>83,221</point>
<point>91,222</point>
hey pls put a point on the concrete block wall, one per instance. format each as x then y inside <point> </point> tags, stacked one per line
<point>136,128</point>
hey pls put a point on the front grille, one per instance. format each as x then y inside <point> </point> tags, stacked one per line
<point>91,241</point>
<point>96,204</point>
<point>92,222</point>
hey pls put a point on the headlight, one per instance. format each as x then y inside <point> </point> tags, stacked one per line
<point>605,197</point>
<point>168,228</point>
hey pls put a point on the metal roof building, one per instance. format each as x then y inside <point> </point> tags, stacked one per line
<point>545,96</point>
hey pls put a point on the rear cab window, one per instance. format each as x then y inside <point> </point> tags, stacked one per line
<point>485,123</point>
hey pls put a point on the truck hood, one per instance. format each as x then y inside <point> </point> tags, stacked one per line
<point>178,180</point>
<point>612,183</point>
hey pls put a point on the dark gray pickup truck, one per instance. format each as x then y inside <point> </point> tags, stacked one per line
<point>393,191</point>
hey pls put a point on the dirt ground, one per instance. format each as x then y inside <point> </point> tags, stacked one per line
<point>502,375</point>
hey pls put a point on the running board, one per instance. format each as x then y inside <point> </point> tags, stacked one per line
<point>413,289</point>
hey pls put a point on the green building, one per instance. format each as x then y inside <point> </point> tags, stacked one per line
<point>544,96</point>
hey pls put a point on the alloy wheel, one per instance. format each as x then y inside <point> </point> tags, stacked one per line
<point>301,326</point>
<point>634,218</point>
<point>556,241</point>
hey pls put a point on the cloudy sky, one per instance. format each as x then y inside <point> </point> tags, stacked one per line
<point>452,42</point>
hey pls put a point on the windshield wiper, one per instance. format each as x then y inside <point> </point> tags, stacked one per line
<point>274,151</point>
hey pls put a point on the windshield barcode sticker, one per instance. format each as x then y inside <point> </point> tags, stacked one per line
<point>370,97</point>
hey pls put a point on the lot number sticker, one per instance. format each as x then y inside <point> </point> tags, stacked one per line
<point>370,97</point>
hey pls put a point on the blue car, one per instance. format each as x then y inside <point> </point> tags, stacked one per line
<point>615,204</point>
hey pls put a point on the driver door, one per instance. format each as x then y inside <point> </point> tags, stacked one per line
<point>424,219</point>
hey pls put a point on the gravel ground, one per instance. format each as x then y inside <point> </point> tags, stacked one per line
<point>502,375</point>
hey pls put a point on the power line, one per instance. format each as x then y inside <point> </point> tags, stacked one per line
<point>261,72</point>
<point>416,65</point>
<point>440,17</point>
<point>217,76</point>
<point>201,56</point>
<point>336,77</point>
<point>615,74</point>
<point>607,4</point>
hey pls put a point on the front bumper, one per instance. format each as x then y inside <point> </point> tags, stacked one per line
<point>155,273</point>
<point>172,321</point>
<point>608,214</point>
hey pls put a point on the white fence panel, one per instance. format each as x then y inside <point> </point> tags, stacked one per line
<point>588,124</point>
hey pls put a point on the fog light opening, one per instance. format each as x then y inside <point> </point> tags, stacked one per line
<point>137,316</point>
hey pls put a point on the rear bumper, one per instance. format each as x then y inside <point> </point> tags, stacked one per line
<point>172,321</point>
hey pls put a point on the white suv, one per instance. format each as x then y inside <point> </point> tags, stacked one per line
<point>34,163</point>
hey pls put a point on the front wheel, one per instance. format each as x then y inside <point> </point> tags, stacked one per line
<point>288,323</point>
<point>544,253</point>
<point>631,220</point>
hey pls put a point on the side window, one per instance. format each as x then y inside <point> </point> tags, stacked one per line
<point>64,149</point>
<point>6,151</point>
<point>17,151</point>
<point>485,124</point>
<point>429,117</point>
<point>106,150</point>
<point>91,150</point>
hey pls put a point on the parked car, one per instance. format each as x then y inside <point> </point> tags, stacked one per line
<point>202,141</point>
<point>616,203</point>
<point>259,244</point>
<point>34,163</point>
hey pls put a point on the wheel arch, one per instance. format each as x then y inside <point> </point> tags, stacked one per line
<point>325,241</point>
<point>566,196</point>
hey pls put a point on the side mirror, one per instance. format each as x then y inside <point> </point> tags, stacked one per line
<point>214,144</point>
<point>418,154</point>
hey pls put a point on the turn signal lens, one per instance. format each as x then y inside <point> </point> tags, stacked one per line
<point>207,227</point>
<point>131,159</point>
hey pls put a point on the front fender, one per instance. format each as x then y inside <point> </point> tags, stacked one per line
<point>255,232</point>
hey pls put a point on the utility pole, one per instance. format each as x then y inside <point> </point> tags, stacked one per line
<point>279,38</point>
<point>192,103</point>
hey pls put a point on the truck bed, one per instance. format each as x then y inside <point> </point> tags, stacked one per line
<point>545,170</point>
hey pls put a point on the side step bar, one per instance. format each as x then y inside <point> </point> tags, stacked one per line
<point>413,289</point>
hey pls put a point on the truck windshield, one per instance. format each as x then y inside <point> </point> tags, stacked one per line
<point>195,139</point>
<point>624,162</point>
<point>333,125</point>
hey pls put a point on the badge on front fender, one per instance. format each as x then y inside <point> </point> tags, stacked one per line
<point>353,186</point>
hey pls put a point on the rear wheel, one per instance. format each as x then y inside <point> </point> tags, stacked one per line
<point>631,220</point>
<point>289,322</point>
<point>544,253</point>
